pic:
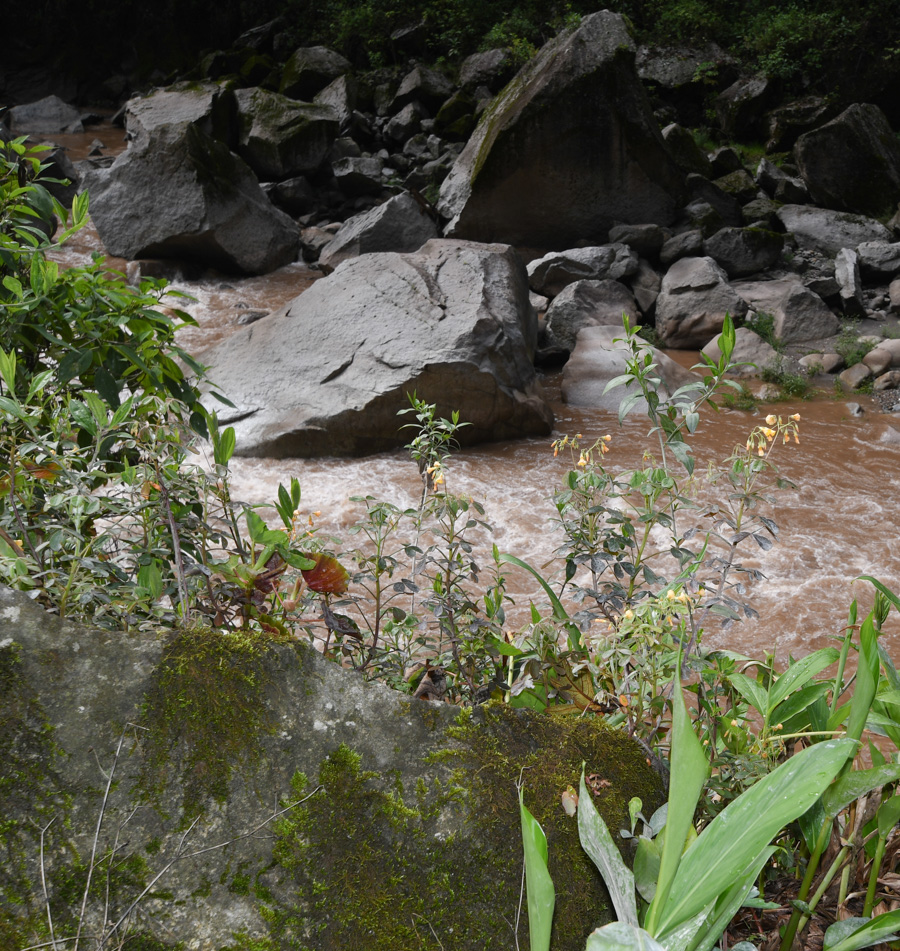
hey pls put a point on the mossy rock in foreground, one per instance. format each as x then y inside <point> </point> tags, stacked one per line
<point>408,835</point>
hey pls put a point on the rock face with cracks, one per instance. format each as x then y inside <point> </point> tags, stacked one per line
<point>404,814</point>
<point>569,148</point>
<point>328,374</point>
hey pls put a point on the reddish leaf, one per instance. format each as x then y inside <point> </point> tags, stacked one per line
<point>328,577</point>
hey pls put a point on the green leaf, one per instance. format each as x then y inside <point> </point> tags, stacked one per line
<point>255,526</point>
<point>751,691</point>
<point>603,852</point>
<point>888,815</point>
<point>689,772</point>
<point>854,933</point>
<point>538,884</point>
<point>729,844</point>
<point>728,904</point>
<point>619,936</point>
<point>856,783</point>
<point>866,679</point>
<point>223,449</point>
<point>646,867</point>
<point>799,672</point>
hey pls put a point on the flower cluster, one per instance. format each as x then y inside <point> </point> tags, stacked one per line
<point>763,438</point>
<point>585,455</point>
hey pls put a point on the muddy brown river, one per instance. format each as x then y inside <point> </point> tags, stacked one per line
<point>840,522</point>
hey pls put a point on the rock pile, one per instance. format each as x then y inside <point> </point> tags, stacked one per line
<point>566,158</point>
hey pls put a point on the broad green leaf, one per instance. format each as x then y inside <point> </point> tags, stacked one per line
<point>796,704</point>
<point>538,884</point>
<point>729,903</point>
<point>866,679</point>
<point>856,783</point>
<point>603,852</point>
<point>863,933</point>
<point>224,448</point>
<point>622,380</point>
<point>621,937</point>
<point>689,772</point>
<point>646,867</point>
<point>799,672</point>
<point>727,846</point>
<point>751,691</point>
<point>681,937</point>
<point>255,525</point>
<point>888,815</point>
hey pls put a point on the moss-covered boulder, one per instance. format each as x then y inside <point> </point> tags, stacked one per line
<point>569,148</point>
<point>279,137</point>
<point>398,823</point>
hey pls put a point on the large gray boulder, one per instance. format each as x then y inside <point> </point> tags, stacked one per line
<point>45,117</point>
<point>750,356</point>
<point>423,85</point>
<point>387,798</point>
<point>744,251</point>
<point>800,314</point>
<point>178,193</point>
<point>281,138</point>
<point>822,229</point>
<point>309,70</point>
<point>569,148</point>
<point>554,271</point>
<point>328,374</point>
<point>399,224</point>
<point>853,162</point>
<point>600,356</point>
<point>586,304</point>
<point>879,260</point>
<point>208,106</point>
<point>692,303</point>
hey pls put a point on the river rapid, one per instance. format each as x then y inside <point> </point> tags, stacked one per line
<point>839,523</point>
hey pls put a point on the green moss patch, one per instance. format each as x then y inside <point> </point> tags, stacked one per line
<point>205,712</point>
<point>367,863</point>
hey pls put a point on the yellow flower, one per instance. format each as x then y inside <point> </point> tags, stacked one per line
<point>606,438</point>
<point>796,439</point>
<point>787,438</point>
<point>629,614</point>
<point>770,420</point>
<point>769,433</point>
<point>760,451</point>
<point>734,723</point>
<point>439,479</point>
<point>749,444</point>
<point>670,595</point>
<point>796,417</point>
<point>582,461</point>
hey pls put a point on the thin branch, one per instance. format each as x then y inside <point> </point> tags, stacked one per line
<point>91,865</point>
<point>179,855</point>
<point>176,547</point>
<point>44,883</point>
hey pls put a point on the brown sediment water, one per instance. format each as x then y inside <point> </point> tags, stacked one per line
<point>840,522</point>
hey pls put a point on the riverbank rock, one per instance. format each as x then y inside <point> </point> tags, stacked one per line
<point>853,162</point>
<point>387,798</point>
<point>568,149</point>
<point>328,374</point>
<point>692,303</point>
<point>45,117</point>
<point>554,271</point>
<point>178,193</point>
<point>279,137</point>
<point>208,106</point>
<point>826,230</point>
<point>600,355</point>
<point>400,224</point>
<point>751,354</point>
<point>587,303</point>
<point>799,313</point>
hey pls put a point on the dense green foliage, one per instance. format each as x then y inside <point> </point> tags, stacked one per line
<point>828,46</point>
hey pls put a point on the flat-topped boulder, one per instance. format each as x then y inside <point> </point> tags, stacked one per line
<point>328,374</point>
